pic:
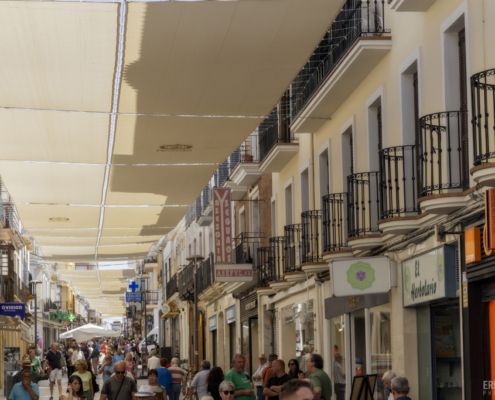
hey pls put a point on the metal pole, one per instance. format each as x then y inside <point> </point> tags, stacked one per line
<point>145,322</point>
<point>35,320</point>
<point>195,317</point>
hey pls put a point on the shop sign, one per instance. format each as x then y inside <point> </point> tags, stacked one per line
<point>13,310</point>
<point>361,276</point>
<point>222,226</point>
<point>26,334</point>
<point>464,290</point>
<point>251,305</point>
<point>59,315</point>
<point>233,272</point>
<point>289,314</point>
<point>230,313</point>
<point>133,297</point>
<point>165,309</point>
<point>429,276</point>
<point>212,323</point>
<point>472,245</point>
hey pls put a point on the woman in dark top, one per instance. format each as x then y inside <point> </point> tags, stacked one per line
<point>213,380</point>
<point>294,371</point>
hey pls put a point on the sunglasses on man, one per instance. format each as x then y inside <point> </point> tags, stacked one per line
<point>120,372</point>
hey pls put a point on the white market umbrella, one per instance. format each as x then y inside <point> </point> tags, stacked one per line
<point>87,332</point>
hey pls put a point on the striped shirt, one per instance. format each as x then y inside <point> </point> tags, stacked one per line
<point>178,374</point>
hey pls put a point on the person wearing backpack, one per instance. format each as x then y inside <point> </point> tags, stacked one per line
<point>95,355</point>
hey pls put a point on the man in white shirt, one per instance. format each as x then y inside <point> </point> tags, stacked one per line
<point>257,378</point>
<point>387,380</point>
<point>153,361</point>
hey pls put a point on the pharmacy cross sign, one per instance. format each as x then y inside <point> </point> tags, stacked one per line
<point>71,318</point>
<point>133,286</point>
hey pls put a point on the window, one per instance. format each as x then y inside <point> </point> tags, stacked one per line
<point>347,154</point>
<point>375,130</point>
<point>200,243</point>
<point>4,261</point>
<point>255,215</point>
<point>324,175</point>
<point>274,218</point>
<point>242,220</point>
<point>305,190</point>
<point>195,247</point>
<point>288,205</point>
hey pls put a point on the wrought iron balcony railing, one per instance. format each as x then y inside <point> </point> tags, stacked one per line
<point>356,19</point>
<point>444,160</point>
<point>246,246</point>
<point>206,274</point>
<point>311,236</point>
<point>334,222</point>
<point>172,287</point>
<point>483,108</point>
<point>363,201</point>
<point>399,181</point>
<point>293,248</point>
<point>271,261</point>
<point>186,277</point>
<point>275,129</point>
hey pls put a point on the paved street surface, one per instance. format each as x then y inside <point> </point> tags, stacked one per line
<point>45,388</point>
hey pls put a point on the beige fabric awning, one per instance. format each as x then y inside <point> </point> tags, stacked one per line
<point>135,104</point>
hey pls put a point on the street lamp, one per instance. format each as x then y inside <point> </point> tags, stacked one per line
<point>34,282</point>
<point>195,258</point>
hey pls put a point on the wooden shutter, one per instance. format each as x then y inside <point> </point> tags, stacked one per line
<point>351,144</point>
<point>464,107</point>
<point>379,120</point>
<point>417,133</point>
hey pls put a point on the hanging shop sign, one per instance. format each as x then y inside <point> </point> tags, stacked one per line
<point>26,334</point>
<point>233,272</point>
<point>222,226</point>
<point>212,323</point>
<point>230,313</point>
<point>472,245</point>
<point>61,315</point>
<point>361,276</point>
<point>131,297</point>
<point>13,310</point>
<point>165,309</point>
<point>429,276</point>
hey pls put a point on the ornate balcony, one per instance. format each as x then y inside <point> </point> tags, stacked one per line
<point>483,122</point>
<point>312,242</point>
<point>443,161</point>
<point>335,226</point>
<point>364,210</point>
<point>293,253</point>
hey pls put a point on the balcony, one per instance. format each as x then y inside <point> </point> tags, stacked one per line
<point>270,264</point>
<point>246,246</point>
<point>277,260</point>
<point>411,5</point>
<point>335,226</point>
<point>311,240</point>
<point>353,46</point>
<point>247,172</point>
<point>150,299</point>
<point>206,217</point>
<point>363,210</point>
<point>444,162</point>
<point>186,282</point>
<point>150,264</point>
<point>208,288</point>
<point>293,272</point>
<point>171,287</point>
<point>483,122</point>
<point>277,143</point>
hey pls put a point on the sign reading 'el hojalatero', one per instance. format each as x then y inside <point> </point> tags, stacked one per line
<point>223,226</point>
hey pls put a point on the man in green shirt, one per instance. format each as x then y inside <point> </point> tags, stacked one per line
<point>26,366</point>
<point>243,388</point>
<point>321,381</point>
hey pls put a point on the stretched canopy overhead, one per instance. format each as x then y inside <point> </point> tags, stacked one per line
<point>87,332</point>
<point>117,114</point>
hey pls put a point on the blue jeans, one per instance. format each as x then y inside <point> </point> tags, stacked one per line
<point>259,392</point>
<point>175,391</point>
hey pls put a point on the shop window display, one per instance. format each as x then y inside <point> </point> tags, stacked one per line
<point>339,362</point>
<point>381,352</point>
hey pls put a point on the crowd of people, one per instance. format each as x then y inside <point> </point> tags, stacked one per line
<point>117,363</point>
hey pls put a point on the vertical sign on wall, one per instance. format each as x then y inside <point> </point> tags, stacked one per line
<point>222,226</point>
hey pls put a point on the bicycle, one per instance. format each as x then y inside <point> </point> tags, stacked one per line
<point>189,378</point>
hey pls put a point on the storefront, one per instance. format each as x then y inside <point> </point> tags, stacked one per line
<point>360,321</point>
<point>249,330</point>
<point>429,283</point>
<point>212,327</point>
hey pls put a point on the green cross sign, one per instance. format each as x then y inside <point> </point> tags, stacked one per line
<point>71,317</point>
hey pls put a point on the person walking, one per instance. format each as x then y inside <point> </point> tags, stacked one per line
<point>25,390</point>
<point>387,380</point>
<point>338,376</point>
<point>54,359</point>
<point>104,347</point>
<point>321,381</point>
<point>164,376</point>
<point>131,366</point>
<point>178,380</point>
<point>243,389</point>
<point>85,351</point>
<point>35,360</point>
<point>267,372</point>
<point>257,378</point>
<point>294,370</point>
<point>275,383</point>
<point>107,368</point>
<point>75,389</point>
<point>70,366</point>
<point>199,381</point>
<point>86,378</point>
<point>400,388</point>
<point>35,377</point>
<point>95,356</point>
<point>119,386</point>
<point>213,381</point>
<point>160,392</point>
<point>153,361</point>
<point>118,356</point>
